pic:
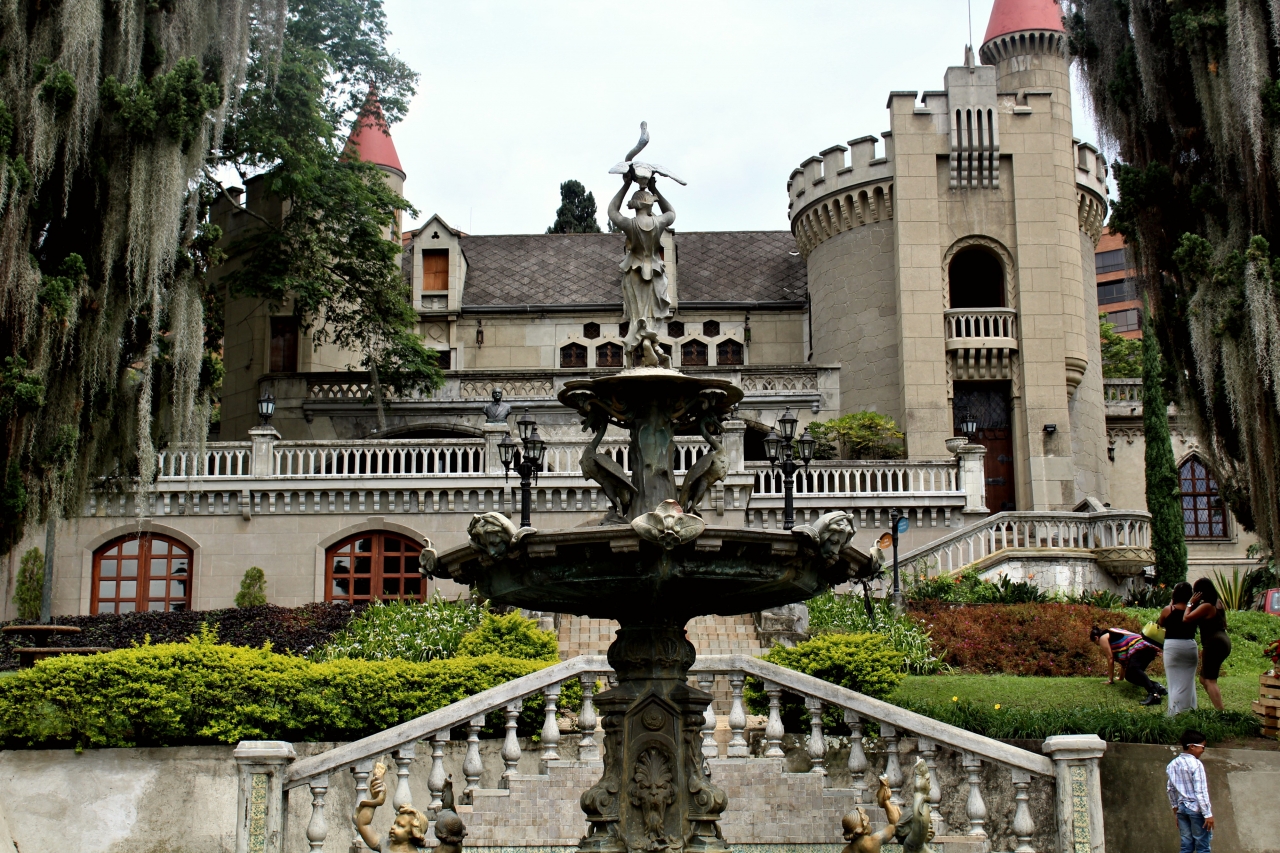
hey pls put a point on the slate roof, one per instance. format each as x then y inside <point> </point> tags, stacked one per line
<point>580,269</point>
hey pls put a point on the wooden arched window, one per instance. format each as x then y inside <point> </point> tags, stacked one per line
<point>141,572</point>
<point>373,565</point>
<point>693,353</point>
<point>729,351</point>
<point>1203,513</point>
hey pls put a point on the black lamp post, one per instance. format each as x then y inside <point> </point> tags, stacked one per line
<point>969,426</point>
<point>527,463</point>
<point>780,451</point>
<point>894,515</point>
<point>266,407</point>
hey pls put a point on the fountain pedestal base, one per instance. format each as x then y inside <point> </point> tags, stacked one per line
<point>655,794</point>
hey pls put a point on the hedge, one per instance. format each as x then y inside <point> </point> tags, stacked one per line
<point>201,691</point>
<point>1022,639</point>
<point>298,630</point>
<point>1125,726</point>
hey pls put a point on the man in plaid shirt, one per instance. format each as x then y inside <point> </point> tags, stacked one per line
<point>1189,795</point>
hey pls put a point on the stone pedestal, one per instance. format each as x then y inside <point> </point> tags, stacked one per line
<point>655,794</point>
<point>1075,760</point>
<point>973,477</point>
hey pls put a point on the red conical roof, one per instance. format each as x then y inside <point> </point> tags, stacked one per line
<point>1012,16</point>
<point>371,139</point>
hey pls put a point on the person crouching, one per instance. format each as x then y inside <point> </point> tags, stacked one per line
<point>1134,654</point>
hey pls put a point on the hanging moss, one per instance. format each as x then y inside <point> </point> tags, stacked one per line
<point>1187,95</point>
<point>1164,493</point>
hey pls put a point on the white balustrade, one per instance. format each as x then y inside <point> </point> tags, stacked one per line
<point>857,479</point>
<point>973,327</point>
<point>383,458</point>
<point>710,749</point>
<point>362,770</point>
<point>1003,530</point>
<point>214,461</point>
<point>932,737</point>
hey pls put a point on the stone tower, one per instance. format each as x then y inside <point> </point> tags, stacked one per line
<point>954,274</point>
<point>371,141</point>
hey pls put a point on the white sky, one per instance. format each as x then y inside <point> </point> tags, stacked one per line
<point>516,96</point>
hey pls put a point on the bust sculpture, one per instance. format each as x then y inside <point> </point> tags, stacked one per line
<point>497,411</point>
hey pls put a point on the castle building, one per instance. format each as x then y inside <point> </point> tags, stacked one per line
<point>942,274</point>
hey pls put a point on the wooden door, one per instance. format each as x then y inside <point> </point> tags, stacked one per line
<point>988,404</point>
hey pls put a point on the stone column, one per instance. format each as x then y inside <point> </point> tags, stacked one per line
<point>734,438</point>
<point>260,805</point>
<point>1075,760</point>
<point>493,434</point>
<point>264,440</point>
<point>973,477</point>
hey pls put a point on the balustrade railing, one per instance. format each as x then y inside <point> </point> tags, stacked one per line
<point>862,479</point>
<point>217,460</point>
<point>1122,390</point>
<point>1073,765</point>
<point>1003,530</point>
<point>966,325</point>
<point>385,458</point>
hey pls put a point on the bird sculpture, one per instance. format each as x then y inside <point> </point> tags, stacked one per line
<point>602,468</point>
<point>711,468</point>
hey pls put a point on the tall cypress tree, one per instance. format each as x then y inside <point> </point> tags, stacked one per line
<point>1164,493</point>
<point>577,212</point>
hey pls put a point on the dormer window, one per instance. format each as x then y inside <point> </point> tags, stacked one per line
<point>435,269</point>
<point>573,355</point>
<point>675,329</point>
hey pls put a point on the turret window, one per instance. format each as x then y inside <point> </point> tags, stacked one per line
<point>573,355</point>
<point>693,353</point>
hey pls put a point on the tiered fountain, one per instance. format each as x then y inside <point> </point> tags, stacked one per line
<point>652,564</point>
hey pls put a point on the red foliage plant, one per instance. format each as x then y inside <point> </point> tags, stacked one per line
<point>1022,639</point>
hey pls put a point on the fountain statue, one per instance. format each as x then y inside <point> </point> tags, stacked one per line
<point>408,832</point>
<point>652,564</point>
<point>912,828</point>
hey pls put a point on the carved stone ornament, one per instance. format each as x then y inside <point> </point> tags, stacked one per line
<point>492,533</point>
<point>915,828</point>
<point>653,789</point>
<point>427,559</point>
<point>668,525</point>
<point>829,534</point>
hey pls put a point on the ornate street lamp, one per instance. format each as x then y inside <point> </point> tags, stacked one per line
<point>968,425</point>
<point>266,407</point>
<point>780,451</point>
<point>526,464</point>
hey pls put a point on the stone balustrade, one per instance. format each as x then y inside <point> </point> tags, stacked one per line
<point>542,809</point>
<point>969,328</point>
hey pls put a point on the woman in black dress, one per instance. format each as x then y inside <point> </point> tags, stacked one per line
<point>1205,610</point>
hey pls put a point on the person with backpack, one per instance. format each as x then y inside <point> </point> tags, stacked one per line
<point>1188,790</point>
<point>1134,653</point>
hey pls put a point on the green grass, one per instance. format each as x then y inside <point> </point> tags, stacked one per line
<point>1250,632</point>
<point>1045,694</point>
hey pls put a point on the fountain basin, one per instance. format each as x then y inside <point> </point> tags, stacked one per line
<point>610,572</point>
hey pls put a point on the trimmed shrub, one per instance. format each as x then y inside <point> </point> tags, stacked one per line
<point>253,588</point>
<point>846,614</point>
<point>862,662</point>
<point>1124,726</point>
<point>201,691</point>
<point>28,590</point>
<point>404,630</point>
<point>1023,639</point>
<point>512,636</point>
<point>968,588</point>
<point>298,630</point>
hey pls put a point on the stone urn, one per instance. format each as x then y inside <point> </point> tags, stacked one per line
<point>1124,561</point>
<point>955,443</point>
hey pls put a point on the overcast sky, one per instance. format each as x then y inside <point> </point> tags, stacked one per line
<point>516,96</point>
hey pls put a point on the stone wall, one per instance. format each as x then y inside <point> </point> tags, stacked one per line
<point>855,317</point>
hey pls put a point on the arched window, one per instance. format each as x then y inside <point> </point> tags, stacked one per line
<point>1203,513</point>
<point>147,572</point>
<point>693,353</point>
<point>373,565</point>
<point>573,355</point>
<point>728,351</point>
<point>976,279</point>
<point>609,355</point>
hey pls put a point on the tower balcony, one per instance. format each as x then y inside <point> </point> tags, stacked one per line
<point>981,342</point>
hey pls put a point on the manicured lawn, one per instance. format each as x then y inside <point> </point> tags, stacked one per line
<point>1012,691</point>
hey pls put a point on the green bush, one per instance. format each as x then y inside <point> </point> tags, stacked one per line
<point>847,614</point>
<point>512,636</point>
<point>205,692</point>
<point>406,630</point>
<point>1124,726</point>
<point>30,586</point>
<point>967,587</point>
<point>862,662</point>
<point>253,588</point>
<point>857,435</point>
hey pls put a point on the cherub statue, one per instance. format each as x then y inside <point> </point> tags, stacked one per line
<point>450,830</point>
<point>408,832</point>
<point>857,826</point>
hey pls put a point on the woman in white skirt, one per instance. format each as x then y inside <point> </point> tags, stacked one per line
<point>1180,653</point>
